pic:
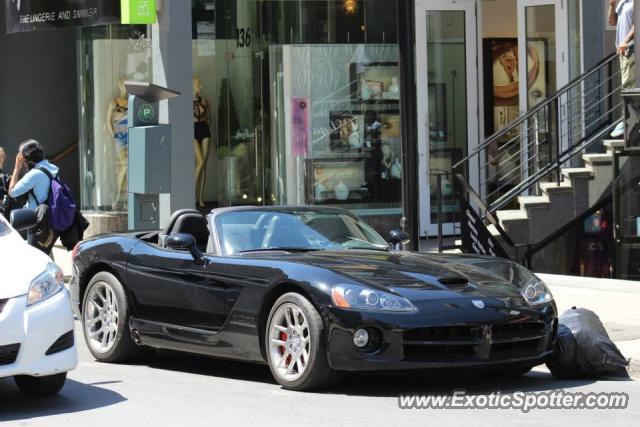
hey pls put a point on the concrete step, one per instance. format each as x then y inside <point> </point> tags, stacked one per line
<point>558,204</point>
<point>550,188</point>
<point>597,159</point>
<point>512,216</point>
<point>613,144</point>
<point>534,202</point>
<point>573,173</point>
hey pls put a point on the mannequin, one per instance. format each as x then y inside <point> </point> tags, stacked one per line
<point>201,139</point>
<point>118,128</point>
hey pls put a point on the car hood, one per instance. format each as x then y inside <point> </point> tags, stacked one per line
<point>419,276</point>
<point>20,263</point>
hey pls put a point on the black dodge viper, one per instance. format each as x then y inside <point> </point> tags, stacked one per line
<point>311,292</point>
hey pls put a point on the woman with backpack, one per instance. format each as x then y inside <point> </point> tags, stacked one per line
<point>35,184</point>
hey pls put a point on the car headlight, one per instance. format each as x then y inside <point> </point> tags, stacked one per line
<point>353,296</point>
<point>536,292</point>
<point>46,285</point>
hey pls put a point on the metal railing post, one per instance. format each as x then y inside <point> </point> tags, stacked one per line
<point>439,203</point>
<point>558,135</point>
<point>609,99</point>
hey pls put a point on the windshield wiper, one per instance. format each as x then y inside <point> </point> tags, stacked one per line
<point>281,250</point>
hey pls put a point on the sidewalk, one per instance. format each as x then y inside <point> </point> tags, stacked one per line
<point>616,302</point>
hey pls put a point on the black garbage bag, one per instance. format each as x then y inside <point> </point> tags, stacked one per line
<point>584,349</point>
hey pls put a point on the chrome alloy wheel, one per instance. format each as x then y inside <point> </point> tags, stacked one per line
<point>289,342</point>
<point>101,318</point>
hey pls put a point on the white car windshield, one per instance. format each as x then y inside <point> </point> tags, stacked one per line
<point>248,230</point>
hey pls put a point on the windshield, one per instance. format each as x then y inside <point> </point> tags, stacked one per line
<point>246,231</point>
<point>4,227</point>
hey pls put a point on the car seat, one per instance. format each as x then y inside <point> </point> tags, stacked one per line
<point>192,222</point>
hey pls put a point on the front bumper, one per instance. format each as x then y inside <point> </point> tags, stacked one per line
<point>442,334</point>
<point>37,340</point>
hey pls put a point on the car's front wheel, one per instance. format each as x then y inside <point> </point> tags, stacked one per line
<point>296,345</point>
<point>40,386</point>
<point>105,315</point>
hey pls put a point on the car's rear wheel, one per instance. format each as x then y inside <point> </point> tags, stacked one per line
<point>40,386</point>
<point>105,315</point>
<point>296,345</point>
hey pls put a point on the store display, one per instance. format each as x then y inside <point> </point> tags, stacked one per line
<point>320,191</point>
<point>396,169</point>
<point>341,191</point>
<point>394,90</point>
<point>390,126</point>
<point>355,141</point>
<point>346,131</point>
<point>375,82</point>
<point>117,125</point>
<point>365,92</point>
<point>502,87</point>
<point>202,138</point>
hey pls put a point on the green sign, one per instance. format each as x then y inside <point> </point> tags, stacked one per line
<point>146,113</point>
<point>138,11</point>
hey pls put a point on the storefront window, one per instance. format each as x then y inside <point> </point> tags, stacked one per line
<point>108,56</point>
<point>297,103</point>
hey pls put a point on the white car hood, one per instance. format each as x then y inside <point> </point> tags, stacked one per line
<point>19,265</point>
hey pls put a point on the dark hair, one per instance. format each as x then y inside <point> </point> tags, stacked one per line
<point>32,151</point>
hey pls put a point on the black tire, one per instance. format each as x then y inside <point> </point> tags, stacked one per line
<point>124,348</point>
<point>40,386</point>
<point>318,374</point>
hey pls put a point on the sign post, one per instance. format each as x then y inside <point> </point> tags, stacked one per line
<point>149,154</point>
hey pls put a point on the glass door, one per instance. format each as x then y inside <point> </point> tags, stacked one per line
<point>446,52</point>
<point>543,42</point>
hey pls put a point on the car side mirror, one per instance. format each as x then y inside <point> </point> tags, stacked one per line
<point>398,238</point>
<point>185,242</point>
<point>23,219</point>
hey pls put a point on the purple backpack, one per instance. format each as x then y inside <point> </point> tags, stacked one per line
<point>62,207</point>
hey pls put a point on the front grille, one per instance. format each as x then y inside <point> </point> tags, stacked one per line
<point>3,302</point>
<point>9,353</point>
<point>475,342</point>
<point>61,344</point>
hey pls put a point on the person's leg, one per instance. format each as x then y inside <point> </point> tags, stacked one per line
<point>122,166</point>
<point>627,70</point>
<point>197,148</point>
<point>628,80</point>
<point>206,145</point>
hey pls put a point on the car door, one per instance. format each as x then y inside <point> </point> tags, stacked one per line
<point>168,286</point>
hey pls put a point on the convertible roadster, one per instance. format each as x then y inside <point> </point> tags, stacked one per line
<point>309,291</point>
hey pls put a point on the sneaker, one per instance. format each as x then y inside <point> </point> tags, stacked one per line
<point>618,131</point>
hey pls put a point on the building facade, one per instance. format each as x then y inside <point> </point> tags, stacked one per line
<point>349,103</point>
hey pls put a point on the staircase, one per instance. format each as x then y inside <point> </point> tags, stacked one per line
<point>546,169</point>
<point>581,188</point>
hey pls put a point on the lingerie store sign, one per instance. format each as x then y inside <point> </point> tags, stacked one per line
<point>31,15</point>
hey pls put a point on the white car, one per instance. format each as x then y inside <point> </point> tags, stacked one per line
<point>37,345</point>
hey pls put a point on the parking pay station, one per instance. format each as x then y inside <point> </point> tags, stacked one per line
<point>149,154</point>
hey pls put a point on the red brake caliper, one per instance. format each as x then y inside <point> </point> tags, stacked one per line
<point>283,337</point>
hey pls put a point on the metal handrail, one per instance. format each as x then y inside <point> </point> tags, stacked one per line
<point>539,107</point>
<point>488,214</point>
<point>538,144</point>
<point>548,168</point>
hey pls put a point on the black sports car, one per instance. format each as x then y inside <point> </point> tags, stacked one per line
<point>309,291</point>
